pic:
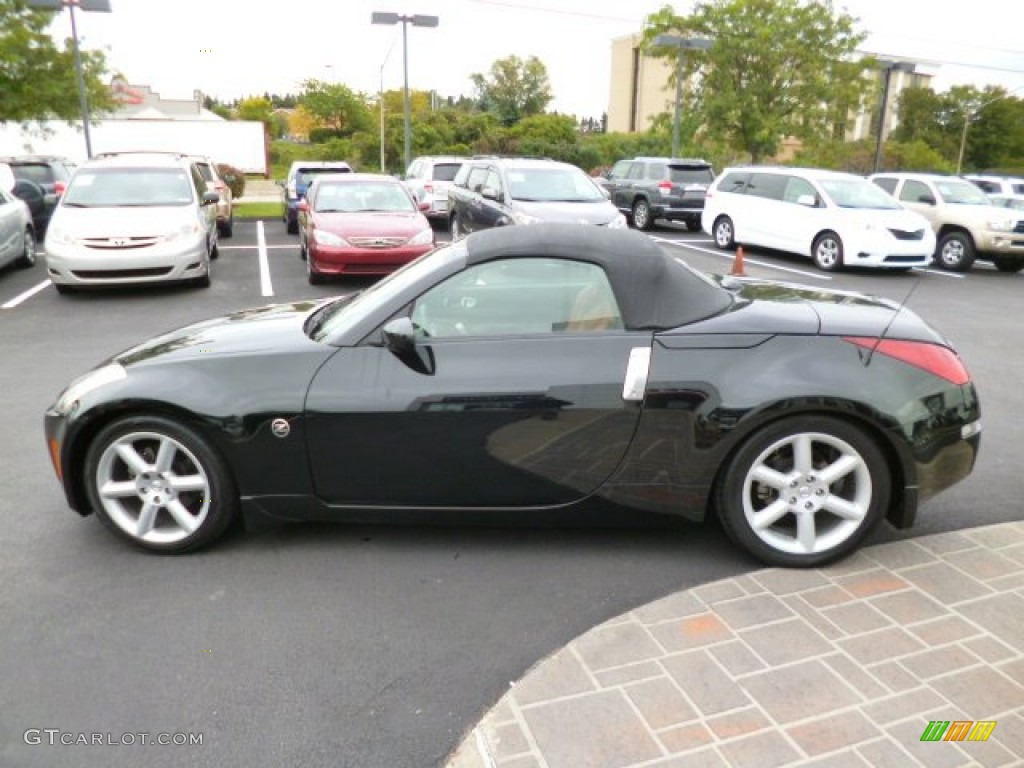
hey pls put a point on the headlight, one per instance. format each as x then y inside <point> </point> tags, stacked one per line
<point>1001,225</point>
<point>187,230</point>
<point>323,237</point>
<point>58,236</point>
<point>524,218</point>
<point>619,222</point>
<point>426,237</point>
<point>83,385</point>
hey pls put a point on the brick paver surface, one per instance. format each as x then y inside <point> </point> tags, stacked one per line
<point>840,666</point>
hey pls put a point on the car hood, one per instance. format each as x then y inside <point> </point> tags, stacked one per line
<point>372,223</point>
<point>273,328</point>
<point>596,212</point>
<point>122,221</point>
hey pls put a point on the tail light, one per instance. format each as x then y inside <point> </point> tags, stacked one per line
<point>59,187</point>
<point>937,360</point>
<point>664,187</point>
<point>429,188</point>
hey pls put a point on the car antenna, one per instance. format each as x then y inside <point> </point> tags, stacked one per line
<point>895,314</point>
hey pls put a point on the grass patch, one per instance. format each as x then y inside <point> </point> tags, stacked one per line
<point>259,210</point>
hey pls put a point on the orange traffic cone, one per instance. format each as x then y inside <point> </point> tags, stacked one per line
<point>737,264</point>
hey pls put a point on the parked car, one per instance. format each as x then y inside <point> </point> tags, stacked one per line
<point>837,219</point>
<point>47,172</point>
<point>17,233</point>
<point>214,183</point>
<point>360,224</point>
<point>542,367</point>
<point>997,185</point>
<point>498,191</point>
<point>133,218</point>
<point>966,223</point>
<point>429,178</point>
<point>300,176</point>
<point>650,188</point>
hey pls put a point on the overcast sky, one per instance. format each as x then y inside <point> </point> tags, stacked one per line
<point>237,48</point>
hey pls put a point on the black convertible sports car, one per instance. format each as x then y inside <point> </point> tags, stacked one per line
<point>530,368</point>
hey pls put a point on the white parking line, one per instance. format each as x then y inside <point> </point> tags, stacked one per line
<point>26,295</point>
<point>249,247</point>
<point>944,273</point>
<point>767,265</point>
<point>261,243</point>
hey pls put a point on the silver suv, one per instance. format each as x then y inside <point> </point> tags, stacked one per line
<point>133,218</point>
<point>429,178</point>
<point>967,225</point>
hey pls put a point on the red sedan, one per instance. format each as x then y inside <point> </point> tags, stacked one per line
<point>360,224</point>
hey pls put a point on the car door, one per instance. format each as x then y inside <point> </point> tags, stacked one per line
<point>761,206</point>
<point>512,397</point>
<point>470,211</point>
<point>922,199</point>
<point>616,184</point>
<point>10,227</point>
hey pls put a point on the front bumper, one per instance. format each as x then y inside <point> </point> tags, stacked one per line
<point>881,249</point>
<point>78,264</point>
<point>329,260</point>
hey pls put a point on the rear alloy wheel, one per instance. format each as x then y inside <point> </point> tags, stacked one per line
<point>159,484</point>
<point>642,218</point>
<point>28,253</point>
<point>827,252</point>
<point>955,252</point>
<point>1009,264</point>
<point>804,491</point>
<point>724,233</point>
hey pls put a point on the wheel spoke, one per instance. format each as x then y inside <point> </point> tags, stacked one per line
<point>187,483</point>
<point>770,477</point>
<point>839,468</point>
<point>770,515</point>
<point>181,515</point>
<point>803,454</point>
<point>165,455</point>
<point>147,519</point>
<point>845,509</point>
<point>806,532</point>
<point>127,453</point>
<point>112,489</point>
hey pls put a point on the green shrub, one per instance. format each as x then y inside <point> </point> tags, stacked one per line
<point>233,177</point>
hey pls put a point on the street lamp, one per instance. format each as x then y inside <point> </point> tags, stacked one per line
<point>85,5</point>
<point>968,114</point>
<point>683,44</point>
<point>417,20</point>
<point>888,67</point>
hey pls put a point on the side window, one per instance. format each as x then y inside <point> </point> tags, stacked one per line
<point>889,185</point>
<point>493,181</point>
<point>198,182</point>
<point>797,188</point>
<point>517,297</point>
<point>636,171</point>
<point>620,169</point>
<point>414,170</point>
<point>735,183</point>
<point>769,185</point>
<point>656,171</point>
<point>477,175</point>
<point>915,192</point>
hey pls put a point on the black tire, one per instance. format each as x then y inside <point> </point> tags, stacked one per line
<point>724,233</point>
<point>827,252</point>
<point>642,216</point>
<point>209,502</point>
<point>1009,264</point>
<point>292,226</point>
<point>955,252</point>
<point>454,228</point>
<point>303,250</point>
<point>227,228</point>
<point>862,491</point>
<point>314,277</point>
<point>693,225</point>
<point>28,253</point>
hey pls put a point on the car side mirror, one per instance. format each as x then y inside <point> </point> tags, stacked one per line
<point>400,338</point>
<point>926,199</point>
<point>809,200</point>
<point>490,193</point>
<point>210,198</point>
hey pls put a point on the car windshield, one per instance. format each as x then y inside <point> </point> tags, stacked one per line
<point>961,193</point>
<point>353,197</point>
<point>109,187</point>
<point>446,171</point>
<point>858,193</point>
<point>548,185</point>
<point>349,311</point>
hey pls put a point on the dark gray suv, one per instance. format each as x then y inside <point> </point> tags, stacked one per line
<point>42,180</point>
<point>649,188</point>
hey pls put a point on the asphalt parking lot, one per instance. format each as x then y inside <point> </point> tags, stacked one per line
<point>320,645</point>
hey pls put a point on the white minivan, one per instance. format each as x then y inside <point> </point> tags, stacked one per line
<point>837,219</point>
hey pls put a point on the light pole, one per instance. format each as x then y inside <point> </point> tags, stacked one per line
<point>85,5</point>
<point>888,67</point>
<point>968,114</point>
<point>683,44</point>
<point>417,20</point>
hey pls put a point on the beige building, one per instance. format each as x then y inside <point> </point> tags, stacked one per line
<point>640,90</point>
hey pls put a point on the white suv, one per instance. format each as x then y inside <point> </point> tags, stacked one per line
<point>429,178</point>
<point>967,224</point>
<point>997,185</point>
<point>837,219</point>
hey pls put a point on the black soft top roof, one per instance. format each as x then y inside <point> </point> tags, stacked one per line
<point>654,291</point>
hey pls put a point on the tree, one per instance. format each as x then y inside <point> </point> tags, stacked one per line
<point>514,88</point>
<point>777,68</point>
<point>37,78</point>
<point>255,108</point>
<point>335,106</point>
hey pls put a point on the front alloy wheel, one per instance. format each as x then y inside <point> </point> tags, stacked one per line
<point>955,252</point>
<point>804,491</point>
<point>827,252</point>
<point>159,484</point>
<point>724,233</point>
